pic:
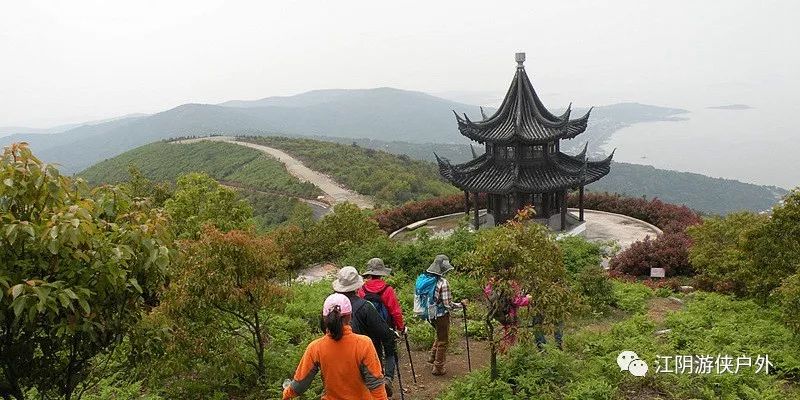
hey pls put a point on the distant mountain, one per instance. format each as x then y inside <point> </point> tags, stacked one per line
<point>383,114</point>
<point>13,130</point>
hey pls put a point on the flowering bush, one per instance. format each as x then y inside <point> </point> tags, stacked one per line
<point>393,219</point>
<point>669,251</point>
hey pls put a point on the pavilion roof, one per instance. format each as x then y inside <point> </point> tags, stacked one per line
<point>522,117</point>
<point>558,171</point>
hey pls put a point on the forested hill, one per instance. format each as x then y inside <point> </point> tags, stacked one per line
<point>228,163</point>
<point>409,173</point>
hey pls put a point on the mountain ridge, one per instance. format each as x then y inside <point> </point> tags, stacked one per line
<point>379,113</point>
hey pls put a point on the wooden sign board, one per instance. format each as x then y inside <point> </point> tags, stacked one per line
<point>656,272</point>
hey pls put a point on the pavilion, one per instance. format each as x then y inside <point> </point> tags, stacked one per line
<point>523,164</point>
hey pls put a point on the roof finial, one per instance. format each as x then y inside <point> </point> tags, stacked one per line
<point>520,57</point>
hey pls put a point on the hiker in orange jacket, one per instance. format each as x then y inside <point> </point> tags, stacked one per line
<point>349,364</point>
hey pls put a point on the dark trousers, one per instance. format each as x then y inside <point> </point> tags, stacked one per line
<point>558,334</point>
<point>387,353</point>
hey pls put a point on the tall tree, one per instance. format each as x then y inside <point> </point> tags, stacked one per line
<point>229,282</point>
<point>77,270</point>
<point>775,247</point>
<point>138,186</point>
<point>521,255</point>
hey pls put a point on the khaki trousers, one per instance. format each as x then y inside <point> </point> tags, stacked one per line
<point>439,350</point>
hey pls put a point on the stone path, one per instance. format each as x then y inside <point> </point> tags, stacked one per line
<point>334,192</point>
<point>603,226</point>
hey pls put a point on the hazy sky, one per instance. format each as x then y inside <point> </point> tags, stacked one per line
<point>71,61</point>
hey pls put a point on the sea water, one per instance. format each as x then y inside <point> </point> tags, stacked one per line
<point>758,145</point>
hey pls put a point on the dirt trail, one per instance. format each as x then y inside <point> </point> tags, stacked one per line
<point>428,387</point>
<point>334,192</point>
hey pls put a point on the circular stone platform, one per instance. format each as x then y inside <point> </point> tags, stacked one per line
<point>600,226</point>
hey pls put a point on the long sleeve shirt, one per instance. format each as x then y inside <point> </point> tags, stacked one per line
<point>519,299</point>
<point>350,369</point>
<point>443,297</point>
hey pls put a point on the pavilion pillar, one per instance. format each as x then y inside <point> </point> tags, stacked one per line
<point>475,204</point>
<point>564,210</point>
<point>580,205</point>
<point>544,212</point>
<point>466,203</point>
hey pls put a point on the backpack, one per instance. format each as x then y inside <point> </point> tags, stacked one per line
<point>424,290</point>
<point>502,313</point>
<point>355,323</point>
<point>375,299</point>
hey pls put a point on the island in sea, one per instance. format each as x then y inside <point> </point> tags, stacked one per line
<point>732,107</point>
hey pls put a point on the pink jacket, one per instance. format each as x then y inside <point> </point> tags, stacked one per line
<point>519,300</point>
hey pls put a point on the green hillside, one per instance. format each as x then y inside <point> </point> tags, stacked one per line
<point>260,179</point>
<point>389,178</point>
<point>225,162</point>
<point>406,175</point>
<point>700,192</point>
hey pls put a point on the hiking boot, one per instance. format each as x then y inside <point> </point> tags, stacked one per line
<point>438,370</point>
<point>388,385</point>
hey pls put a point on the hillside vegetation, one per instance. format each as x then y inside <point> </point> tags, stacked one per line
<point>389,178</point>
<point>217,315</point>
<point>703,193</point>
<point>408,173</point>
<point>224,162</point>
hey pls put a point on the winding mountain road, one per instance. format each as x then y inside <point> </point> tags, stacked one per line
<point>334,192</point>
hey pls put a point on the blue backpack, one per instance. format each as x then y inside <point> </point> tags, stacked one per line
<point>375,299</point>
<point>424,289</point>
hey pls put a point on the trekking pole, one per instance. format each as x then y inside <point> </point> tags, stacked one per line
<point>399,378</point>
<point>466,336</point>
<point>410,359</point>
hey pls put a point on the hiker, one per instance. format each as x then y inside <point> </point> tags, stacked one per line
<point>433,302</point>
<point>507,309</point>
<point>367,321</point>
<point>381,295</point>
<point>558,332</point>
<point>348,361</point>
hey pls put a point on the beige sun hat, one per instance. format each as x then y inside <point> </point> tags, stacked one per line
<point>376,267</point>
<point>441,265</point>
<point>347,280</point>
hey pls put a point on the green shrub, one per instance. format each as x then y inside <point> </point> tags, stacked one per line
<point>789,299</point>
<point>595,288</point>
<point>579,253</point>
<point>304,301</point>
<point>479,387</point>
<point>718,252</point>
<point>631,297</point>
<point>421,335</point>
<point>477,330</point>
<point>118,389</point>
<point>587,369</point>
<point>595,389</point>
